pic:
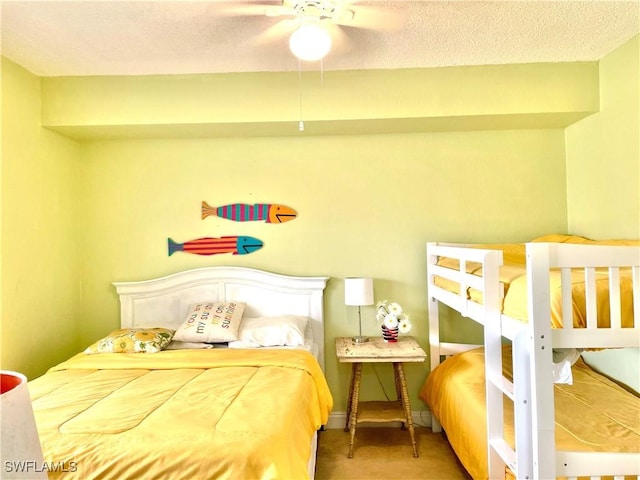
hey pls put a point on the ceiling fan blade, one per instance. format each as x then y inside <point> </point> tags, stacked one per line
<point>276,32</point>
<point>387,18</point>
<point>382,15</point>
<point>226,8</point>
<point>280,11</point>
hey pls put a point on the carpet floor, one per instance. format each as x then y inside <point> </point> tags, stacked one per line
<point>386,453</point>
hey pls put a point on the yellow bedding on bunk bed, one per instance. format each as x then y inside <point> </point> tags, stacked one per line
<point>513,276</point>
<point>181,414</point>
<point>594,414</point>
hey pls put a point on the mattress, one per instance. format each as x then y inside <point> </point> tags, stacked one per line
<point>593,414</point>
<point>181,414</point>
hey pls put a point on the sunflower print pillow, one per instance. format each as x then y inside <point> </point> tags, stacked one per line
<point>133,340</point>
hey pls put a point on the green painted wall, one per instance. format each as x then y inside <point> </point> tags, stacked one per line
<point>367,205</point>
<point>41,275</point>
<point>603,177</point>
<point>603,153</point>
<point>495,97</point>
<point>367,202</point>
<point>467,171</point>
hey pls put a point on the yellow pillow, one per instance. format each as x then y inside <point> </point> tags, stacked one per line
<point>133,340</point>
<point>616,242</point>
<point>562,238</point>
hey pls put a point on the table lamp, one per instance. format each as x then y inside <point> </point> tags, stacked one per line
<point>358,291</point>
<point>20,441</point>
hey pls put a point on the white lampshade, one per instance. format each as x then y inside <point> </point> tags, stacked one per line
<point>358,291</point>
<point>20,442</point>
<point>310,42</point>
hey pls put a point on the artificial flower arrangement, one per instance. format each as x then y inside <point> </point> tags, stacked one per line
<point>392,316</point>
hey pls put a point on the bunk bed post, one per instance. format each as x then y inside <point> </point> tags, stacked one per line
<point>521,360</point>
<point>493,362</point>
<point>434,331</point>
<point>541,360</point>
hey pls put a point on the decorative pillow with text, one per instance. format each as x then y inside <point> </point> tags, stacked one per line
<point>211,322</point>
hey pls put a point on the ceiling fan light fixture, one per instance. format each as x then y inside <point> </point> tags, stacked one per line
<point>310,42</point>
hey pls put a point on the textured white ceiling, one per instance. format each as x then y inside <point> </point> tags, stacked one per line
<point>52,38</point>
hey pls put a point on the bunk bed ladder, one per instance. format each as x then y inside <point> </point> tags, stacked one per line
<point>519,392</point>
<point>497,386</point>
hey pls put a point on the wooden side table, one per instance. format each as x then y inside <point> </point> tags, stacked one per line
<point>406,349</point>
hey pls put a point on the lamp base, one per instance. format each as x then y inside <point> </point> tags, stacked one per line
<point>360,339</point>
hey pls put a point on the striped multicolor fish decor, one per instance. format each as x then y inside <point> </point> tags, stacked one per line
<point>241,212</point>
<point>237,245</point>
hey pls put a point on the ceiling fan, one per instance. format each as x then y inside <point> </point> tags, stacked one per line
<point>335,11</point>
<point>316,26</point>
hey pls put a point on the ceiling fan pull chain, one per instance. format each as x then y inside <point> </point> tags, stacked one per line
<point>301,122</point>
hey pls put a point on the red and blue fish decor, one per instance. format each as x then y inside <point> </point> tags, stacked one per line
<point>241,212</point>
<point>237,245</point>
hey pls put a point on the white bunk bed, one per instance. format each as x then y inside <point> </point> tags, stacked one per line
<point>532,388</point>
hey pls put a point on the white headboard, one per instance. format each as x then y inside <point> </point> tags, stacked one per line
<point>163,302</point>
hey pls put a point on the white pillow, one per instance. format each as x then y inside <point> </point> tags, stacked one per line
<point>283,330</point>
<point>211,322</point>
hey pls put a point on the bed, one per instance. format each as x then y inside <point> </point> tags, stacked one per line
<point>507,408</point>
<point>185,413</point>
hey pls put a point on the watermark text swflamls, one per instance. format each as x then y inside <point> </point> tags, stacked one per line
<point>32,466</point>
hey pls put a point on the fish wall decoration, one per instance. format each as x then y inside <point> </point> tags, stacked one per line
<point>242,212</point>
<point>237,245</point>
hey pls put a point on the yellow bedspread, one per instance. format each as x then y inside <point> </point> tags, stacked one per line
<point>593,414</point>
<point>181,414</point>
<point>513,276</point>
